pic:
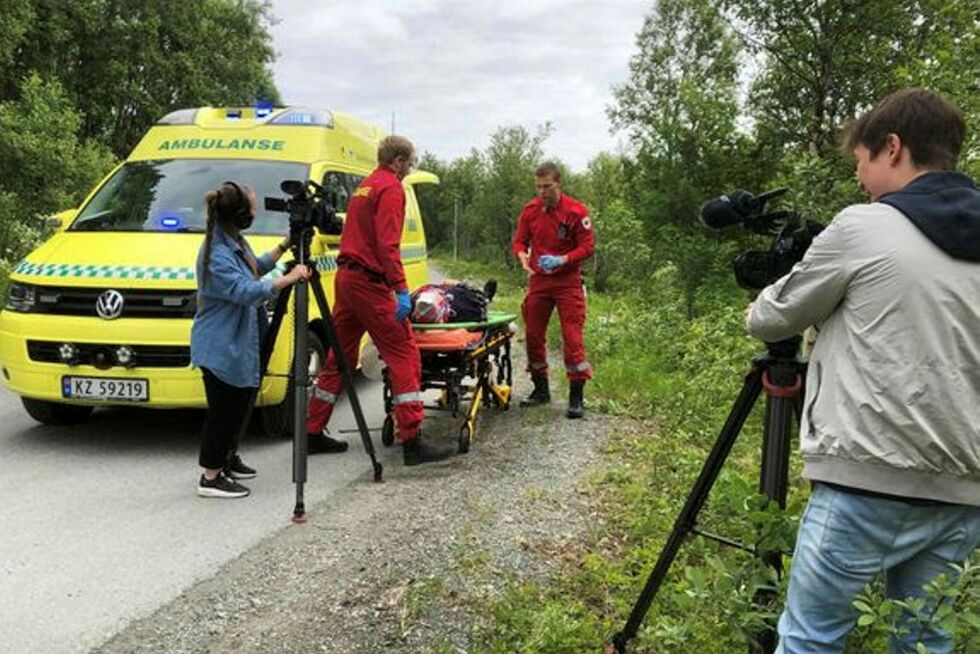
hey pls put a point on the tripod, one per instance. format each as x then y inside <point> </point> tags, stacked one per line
<point>780,373</point>
<point>300,235</point>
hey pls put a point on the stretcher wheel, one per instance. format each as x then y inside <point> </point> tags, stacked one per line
<point>388,432</point>
<point>465,436</point>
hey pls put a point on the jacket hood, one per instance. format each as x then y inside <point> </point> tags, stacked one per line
<point>945,206</point>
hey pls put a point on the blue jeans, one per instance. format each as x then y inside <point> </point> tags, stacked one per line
<point>845,541</point>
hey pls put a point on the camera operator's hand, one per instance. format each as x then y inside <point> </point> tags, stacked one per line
<point>298,273</point>
<point>550,262</point>
<point>404,305</point>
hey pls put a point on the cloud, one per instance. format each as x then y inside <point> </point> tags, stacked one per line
<point>452,72</point>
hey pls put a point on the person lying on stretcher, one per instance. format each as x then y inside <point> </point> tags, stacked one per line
<point>451,301</point>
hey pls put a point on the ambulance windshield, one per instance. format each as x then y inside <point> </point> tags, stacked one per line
<point>168,195</point>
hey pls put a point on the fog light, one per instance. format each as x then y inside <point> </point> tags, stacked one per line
<point>124,355</point>
<point>68,353</point>
<point>102,358</point>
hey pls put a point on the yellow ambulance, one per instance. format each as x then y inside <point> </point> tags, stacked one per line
<point>101,313</point>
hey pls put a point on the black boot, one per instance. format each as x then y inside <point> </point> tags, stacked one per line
<point>420,450</point>
<point>323,444</point>
<point>540,394</point>
<point>575,399</point>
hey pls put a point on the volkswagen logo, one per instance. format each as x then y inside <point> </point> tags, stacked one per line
<point>109,305</point>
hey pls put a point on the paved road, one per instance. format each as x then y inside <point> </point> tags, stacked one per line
<point>100,524</point>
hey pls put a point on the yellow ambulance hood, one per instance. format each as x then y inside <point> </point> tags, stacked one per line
<point>120,260</point>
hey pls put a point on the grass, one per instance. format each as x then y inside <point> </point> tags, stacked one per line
<point>677,378</point>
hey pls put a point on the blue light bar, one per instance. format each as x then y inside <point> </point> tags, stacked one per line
<point>263,108</point>
<point>170,222</point>
<point>303,116</point>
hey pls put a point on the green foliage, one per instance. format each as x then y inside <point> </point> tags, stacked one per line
<point>127,62</point>
<point>949,602</point>
<point>44,167</point>
<point>482,195</point>
<point>680,108</point>
<point>622,249</point>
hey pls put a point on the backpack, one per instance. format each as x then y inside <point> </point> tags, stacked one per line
<point>466,304</point>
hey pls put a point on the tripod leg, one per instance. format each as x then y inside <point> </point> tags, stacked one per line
<point>687,519</point>
<point>345,373</point>
<point>773,481</point>
<point>301,372</point>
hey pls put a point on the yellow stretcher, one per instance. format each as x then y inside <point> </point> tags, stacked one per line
<point>467,362</point>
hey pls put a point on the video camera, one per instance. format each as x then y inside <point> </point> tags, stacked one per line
<point>307,206</point>
<point>756,269</point>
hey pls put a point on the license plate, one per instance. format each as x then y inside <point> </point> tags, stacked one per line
<point>105,388</point>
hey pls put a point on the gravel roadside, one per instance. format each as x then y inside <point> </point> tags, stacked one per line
<point>408,565</point>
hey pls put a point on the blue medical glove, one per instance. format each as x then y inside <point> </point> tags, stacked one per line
<point>550,262</point>
<point>404,305</point>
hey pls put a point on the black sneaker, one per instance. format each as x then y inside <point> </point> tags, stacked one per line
<point>323,444</point>
<point>236,468</point>
<point>221,486</point>
<point>419,450</point>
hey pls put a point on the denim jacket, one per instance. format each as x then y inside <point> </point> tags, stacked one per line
<point>226,331</point>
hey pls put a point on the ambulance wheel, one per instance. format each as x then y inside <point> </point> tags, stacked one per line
<point>277,420</point>
<point>56,413</point>
<point>388,432</point>
<point>465,436</point>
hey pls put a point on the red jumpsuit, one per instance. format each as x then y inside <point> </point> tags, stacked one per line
<point>566,230</point>
<point>369,270</point>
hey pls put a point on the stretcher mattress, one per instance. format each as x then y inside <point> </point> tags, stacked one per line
<point>454,336</point>
<point>494,319</point>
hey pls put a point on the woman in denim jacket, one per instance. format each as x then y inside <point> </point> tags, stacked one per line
<point>226,332</point>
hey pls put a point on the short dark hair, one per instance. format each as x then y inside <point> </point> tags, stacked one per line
<point>929,125</point>
<point>394,146</point>
<point>548,168</point>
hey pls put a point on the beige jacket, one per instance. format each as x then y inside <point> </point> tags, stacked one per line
<point>893,387</point>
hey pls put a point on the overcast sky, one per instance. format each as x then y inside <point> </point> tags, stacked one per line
<point>452,71</point>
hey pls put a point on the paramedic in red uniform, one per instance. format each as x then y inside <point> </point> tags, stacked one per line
<point>554,235</point>
<point>371,296</point>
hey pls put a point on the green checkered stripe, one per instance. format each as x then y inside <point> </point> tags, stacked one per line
<point>66,270</point>
<point>171,273</point>
<point>329,261</point>
<point>414,252</point>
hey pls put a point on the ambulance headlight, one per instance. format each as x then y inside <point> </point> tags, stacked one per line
<point>21,297</point>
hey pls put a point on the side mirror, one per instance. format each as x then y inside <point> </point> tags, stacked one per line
<point>420,177</point>
<point>60,221</point>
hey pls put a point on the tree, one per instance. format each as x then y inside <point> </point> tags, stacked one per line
<point>506,186</point>
<point>680,105</point>
<point>15,19</point>
<point>44,166</point>
<point>125,63</point>
<point>824,62</point>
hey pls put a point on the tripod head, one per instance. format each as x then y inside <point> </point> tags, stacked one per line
<point>309,208</point>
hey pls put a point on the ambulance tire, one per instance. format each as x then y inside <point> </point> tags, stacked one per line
<point>56,413</point>
<point>277,421</point>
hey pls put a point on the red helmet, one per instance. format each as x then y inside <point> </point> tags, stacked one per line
<point>430,306</point>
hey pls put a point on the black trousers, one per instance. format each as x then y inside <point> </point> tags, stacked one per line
<point>227,406</point>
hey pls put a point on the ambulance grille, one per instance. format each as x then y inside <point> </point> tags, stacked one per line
<point>144,356</point>
<point>74,301</point>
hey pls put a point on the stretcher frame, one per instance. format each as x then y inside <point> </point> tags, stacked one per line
<point>485,361</point>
